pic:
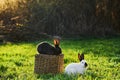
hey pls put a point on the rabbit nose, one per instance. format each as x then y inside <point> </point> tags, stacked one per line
<point>86,64</point>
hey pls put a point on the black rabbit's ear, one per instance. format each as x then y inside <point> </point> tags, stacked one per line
<point>56,42</point>
<point>80,57</point>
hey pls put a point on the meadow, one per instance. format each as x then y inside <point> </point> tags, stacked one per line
<point>101,54</point>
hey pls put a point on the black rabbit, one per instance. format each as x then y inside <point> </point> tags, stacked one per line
<point>46,48</point>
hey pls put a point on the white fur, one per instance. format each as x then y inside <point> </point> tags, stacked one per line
<point>76,68</point>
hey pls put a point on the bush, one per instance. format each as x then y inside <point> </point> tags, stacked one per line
<point>56,17</point>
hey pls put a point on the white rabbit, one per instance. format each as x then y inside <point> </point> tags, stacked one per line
<point>77,68</point>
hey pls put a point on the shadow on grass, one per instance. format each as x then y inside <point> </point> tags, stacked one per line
<point>107,47</point>
<point>57,77</point>
<point>88,75</point>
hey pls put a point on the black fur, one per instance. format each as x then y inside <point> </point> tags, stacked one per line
<point>46,48</point>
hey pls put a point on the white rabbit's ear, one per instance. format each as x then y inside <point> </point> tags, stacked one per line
<point>80,57</point>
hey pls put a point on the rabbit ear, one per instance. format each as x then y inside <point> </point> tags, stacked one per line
<point>56,42</point>
<point>80,57</point>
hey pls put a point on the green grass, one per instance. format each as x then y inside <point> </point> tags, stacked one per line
<point>102,56</point>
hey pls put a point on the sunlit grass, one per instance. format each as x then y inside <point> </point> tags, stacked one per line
<point>102,55</point>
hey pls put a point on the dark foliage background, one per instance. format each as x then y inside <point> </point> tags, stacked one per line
<point>35,19</point>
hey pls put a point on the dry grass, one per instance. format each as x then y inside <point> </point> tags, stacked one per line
<point>5,4</point>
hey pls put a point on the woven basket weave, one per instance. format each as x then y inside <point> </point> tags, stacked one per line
<point>49,64</point>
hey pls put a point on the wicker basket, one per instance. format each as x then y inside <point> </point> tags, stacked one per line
<point>49,64</point>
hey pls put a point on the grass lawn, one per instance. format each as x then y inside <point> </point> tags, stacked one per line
<point>102,56</point>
